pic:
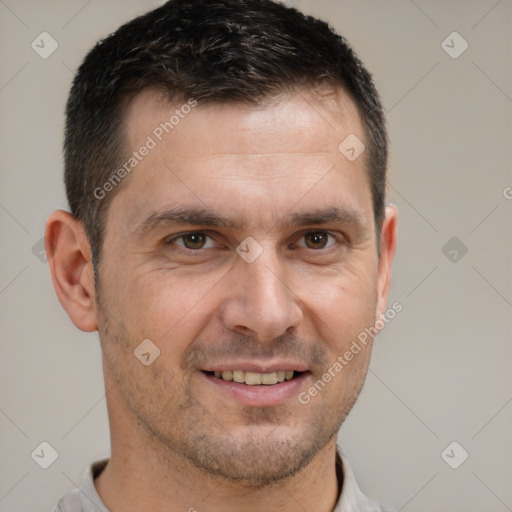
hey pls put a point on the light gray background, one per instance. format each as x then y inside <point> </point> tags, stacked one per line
<point>441,370</point>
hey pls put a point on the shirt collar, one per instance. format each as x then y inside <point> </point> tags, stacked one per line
<point>351,498</point>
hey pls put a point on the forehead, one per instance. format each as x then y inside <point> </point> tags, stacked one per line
<point>228,156</point>
<point>324,115</point>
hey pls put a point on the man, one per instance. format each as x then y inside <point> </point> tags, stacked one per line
<point>228,238</point>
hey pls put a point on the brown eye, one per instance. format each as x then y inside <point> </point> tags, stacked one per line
<point>316,240</point>
<point>194,241</point>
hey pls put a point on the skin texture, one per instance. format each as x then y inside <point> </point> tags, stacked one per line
<point>178,441</point>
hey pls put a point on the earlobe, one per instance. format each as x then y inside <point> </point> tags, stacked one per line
<point>70,260</point>
<point>388,240</point>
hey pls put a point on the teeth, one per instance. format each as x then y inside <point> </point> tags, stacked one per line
<point>269,378</point>
<point>238,376</point>
<point>254,378</point>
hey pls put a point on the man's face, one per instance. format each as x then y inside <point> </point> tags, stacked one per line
<point>171,273</point>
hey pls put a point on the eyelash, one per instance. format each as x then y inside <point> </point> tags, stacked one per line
<point>334,238</point>
<point>172,240</point>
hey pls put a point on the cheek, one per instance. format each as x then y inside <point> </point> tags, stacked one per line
<point>343,304</point>
<point>164,306</point>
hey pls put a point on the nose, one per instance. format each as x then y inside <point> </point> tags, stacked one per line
<point>261,301</point>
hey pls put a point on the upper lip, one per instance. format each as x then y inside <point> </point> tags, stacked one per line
<point>257,367</point>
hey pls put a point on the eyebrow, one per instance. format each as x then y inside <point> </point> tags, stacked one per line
<point>185,215</point>
<point>345,215</point>
<point>205,217</point>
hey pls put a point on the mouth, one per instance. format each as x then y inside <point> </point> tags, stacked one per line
<point>254,378</point>
<point>267,388</point>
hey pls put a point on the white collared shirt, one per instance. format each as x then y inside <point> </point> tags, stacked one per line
<point>86,498</point>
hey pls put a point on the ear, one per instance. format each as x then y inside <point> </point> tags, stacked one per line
<point>70,258</point>
<point>388,238</point>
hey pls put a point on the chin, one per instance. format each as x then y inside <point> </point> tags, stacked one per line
<point>254,457</point>
<point>257,467</point>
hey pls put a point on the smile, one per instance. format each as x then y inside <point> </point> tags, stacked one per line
<point>254,378</point>
<point>256,389</point>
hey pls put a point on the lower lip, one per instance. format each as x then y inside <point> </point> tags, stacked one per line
<point>259,396</point>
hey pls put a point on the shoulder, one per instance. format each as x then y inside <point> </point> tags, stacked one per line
<point>85,498</point>
<point>70,502</point>
<point>352,499</point>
